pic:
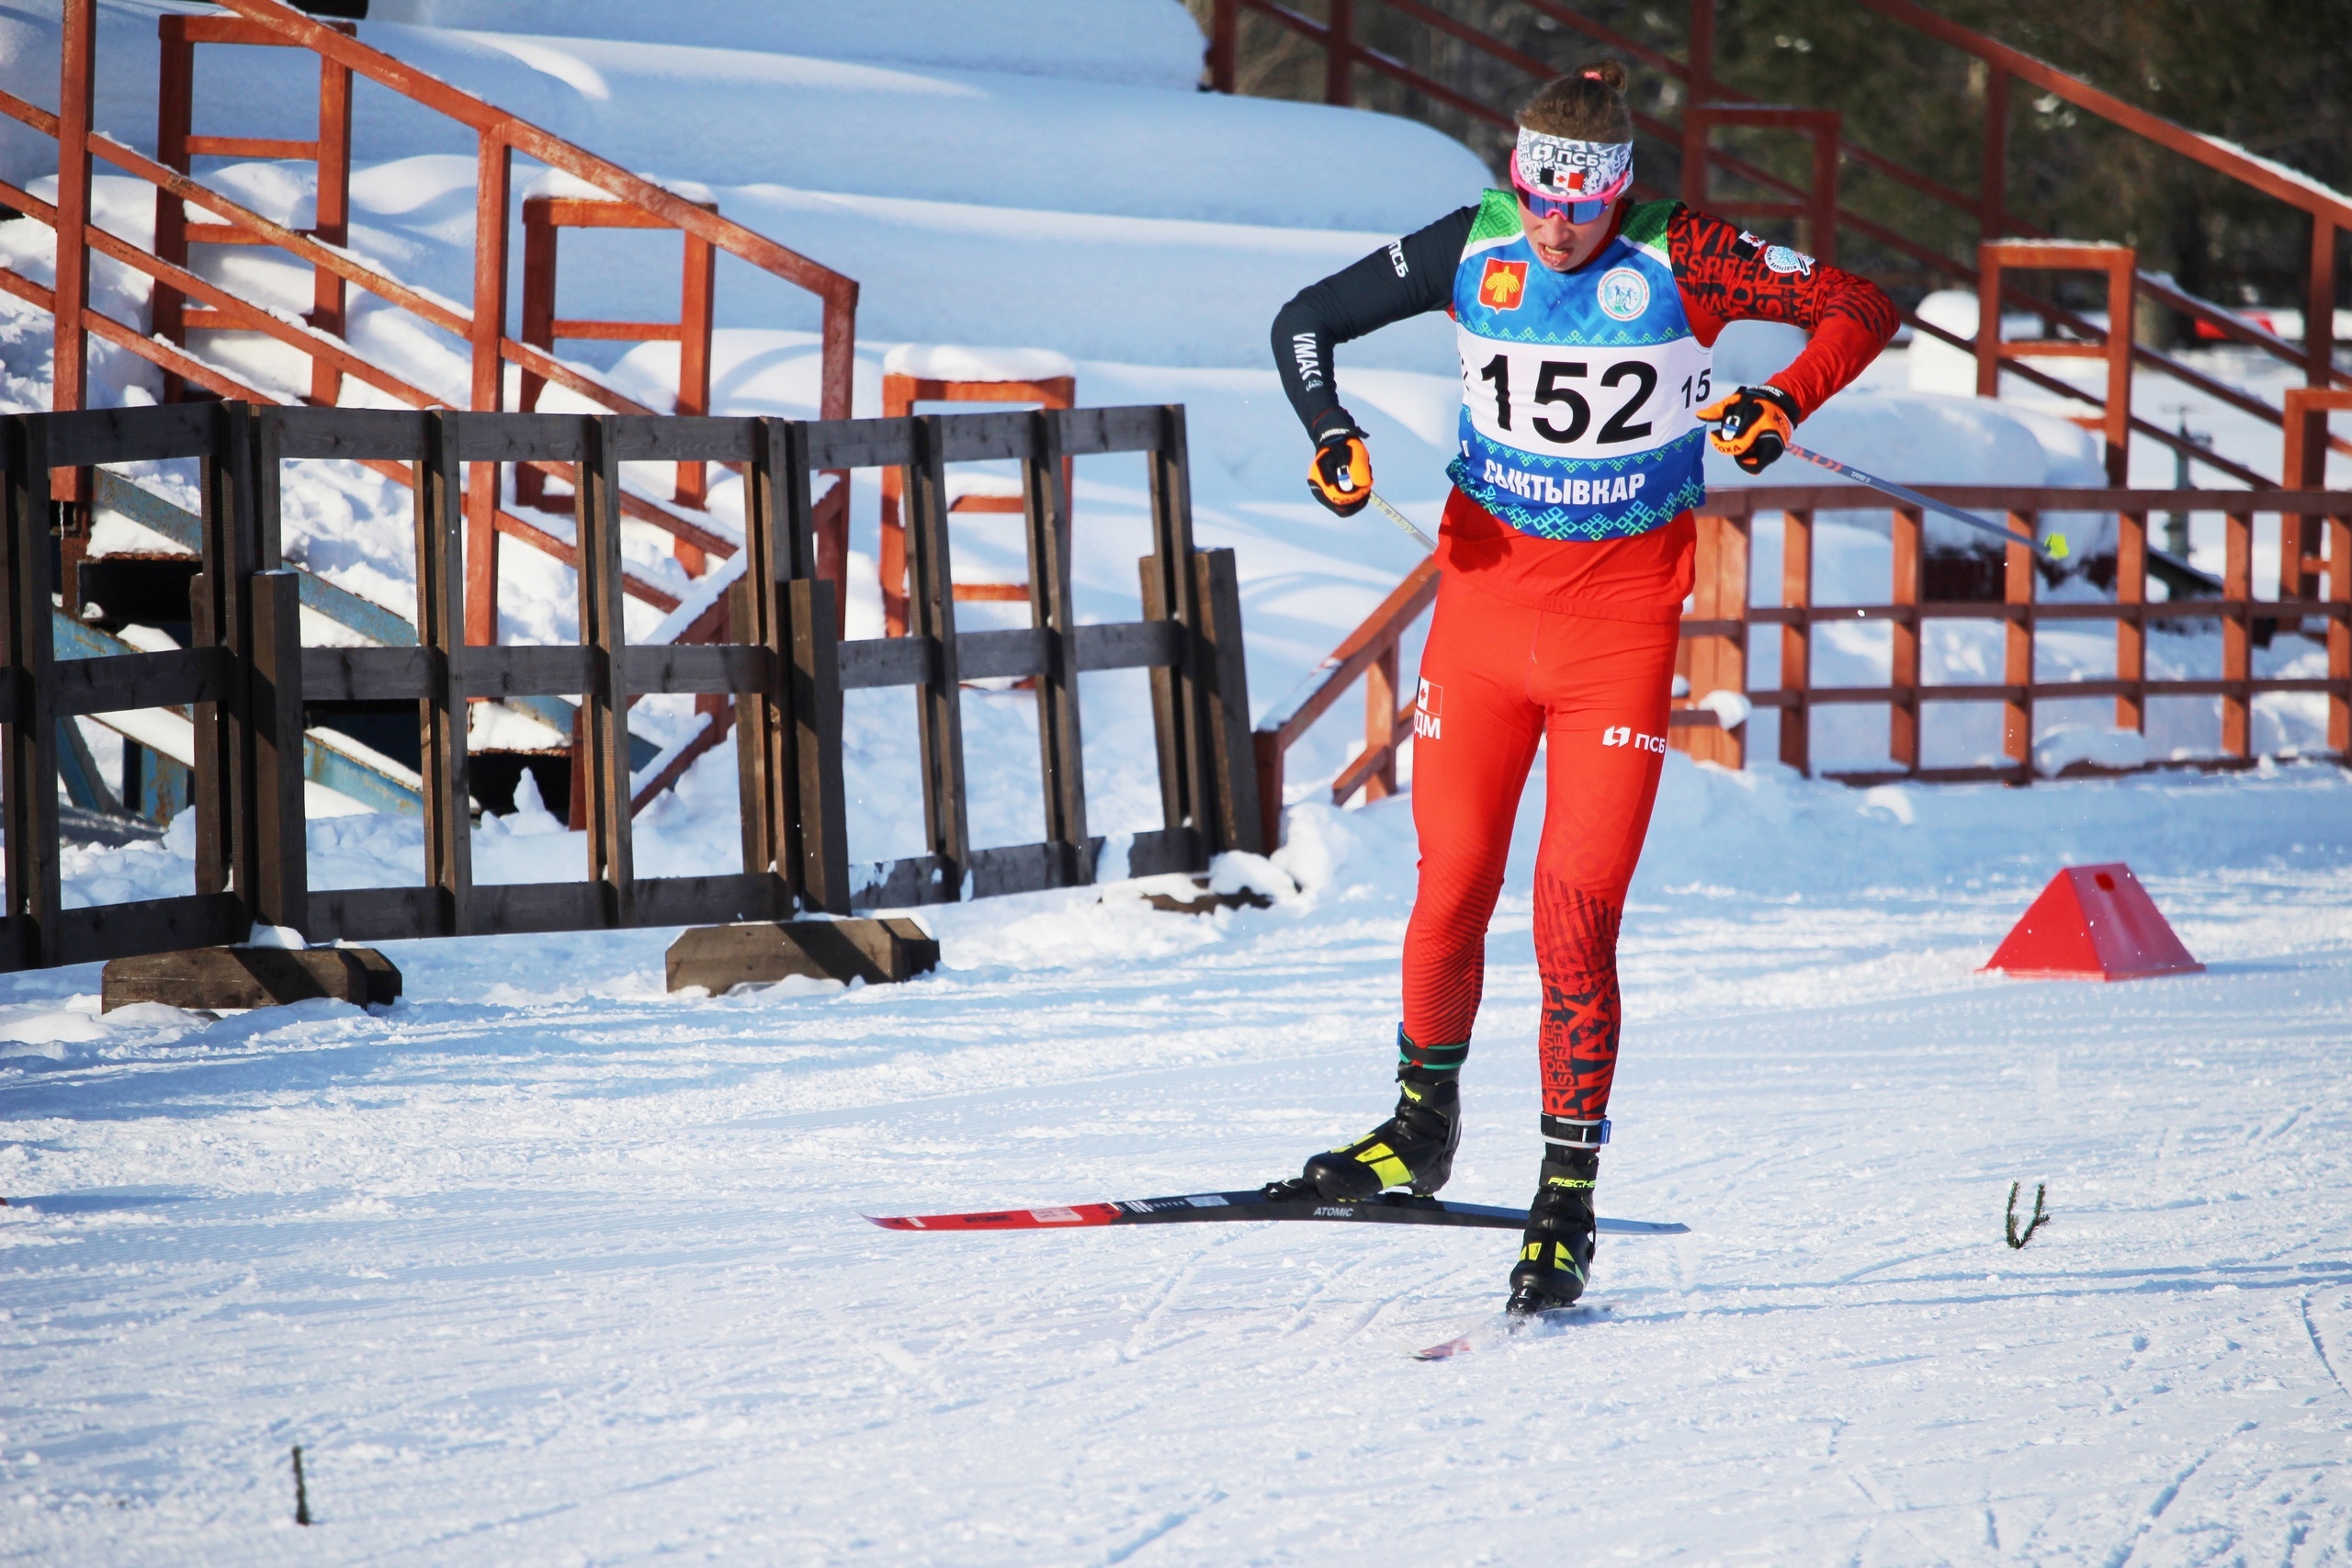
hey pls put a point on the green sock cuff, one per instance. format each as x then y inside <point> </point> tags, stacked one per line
<point>1430,1058</point>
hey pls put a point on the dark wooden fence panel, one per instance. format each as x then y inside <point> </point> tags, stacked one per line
<point>246,675</point>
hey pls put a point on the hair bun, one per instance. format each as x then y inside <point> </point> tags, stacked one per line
<point>1586,104</point>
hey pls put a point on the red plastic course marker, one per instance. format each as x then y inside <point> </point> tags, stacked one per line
<point>2093,922</point>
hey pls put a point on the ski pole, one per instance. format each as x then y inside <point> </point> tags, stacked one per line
<point>2054,550</point>
<point>1403,522</point>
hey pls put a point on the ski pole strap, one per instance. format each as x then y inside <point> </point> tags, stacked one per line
<point>1430,1058</point>
<point>1564,1133</point>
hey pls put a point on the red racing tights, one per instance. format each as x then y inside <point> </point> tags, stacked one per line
<point>1497,678</point>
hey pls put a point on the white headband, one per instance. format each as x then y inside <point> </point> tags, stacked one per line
<point>1567,170</point>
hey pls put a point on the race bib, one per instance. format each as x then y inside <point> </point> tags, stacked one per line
<point>1553,401</point>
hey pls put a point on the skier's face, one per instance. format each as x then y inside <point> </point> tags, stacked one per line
<point>1561,245</point>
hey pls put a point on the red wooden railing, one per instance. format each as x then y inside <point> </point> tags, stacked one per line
<point>186,301</point>
<point>1714,101</point>
<point>2315,536</point>
<point>1370,653</point>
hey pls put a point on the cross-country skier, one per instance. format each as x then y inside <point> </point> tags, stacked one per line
<point>1586,323</point>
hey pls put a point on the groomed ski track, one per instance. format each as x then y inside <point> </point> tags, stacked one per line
<point>556,1268</point>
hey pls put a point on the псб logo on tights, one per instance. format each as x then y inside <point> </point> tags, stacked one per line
<point>1622,735</point>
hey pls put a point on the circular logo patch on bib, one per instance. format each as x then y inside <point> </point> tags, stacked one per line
<point>1625,294</point>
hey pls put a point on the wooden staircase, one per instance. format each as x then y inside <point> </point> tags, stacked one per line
<point>503,500</point>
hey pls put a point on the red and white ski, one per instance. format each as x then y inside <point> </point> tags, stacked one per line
<point>1391,1209</point>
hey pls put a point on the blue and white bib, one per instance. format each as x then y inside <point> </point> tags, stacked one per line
<point>1578,388</point>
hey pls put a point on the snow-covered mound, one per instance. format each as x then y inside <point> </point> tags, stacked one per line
<point>1144,43</point>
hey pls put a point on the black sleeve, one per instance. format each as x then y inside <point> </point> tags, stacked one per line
<point>1404,279</point>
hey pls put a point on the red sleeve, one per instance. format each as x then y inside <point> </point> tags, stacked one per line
<point>1728,275</point>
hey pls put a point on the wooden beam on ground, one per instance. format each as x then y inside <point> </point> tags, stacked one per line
<point>218,980</point>
<point>718,958</point>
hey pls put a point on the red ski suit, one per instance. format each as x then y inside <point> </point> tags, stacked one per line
<point>1565,643</point>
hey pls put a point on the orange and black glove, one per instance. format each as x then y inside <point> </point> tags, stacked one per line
<point>1340,475</point>
<point>1753,425</point>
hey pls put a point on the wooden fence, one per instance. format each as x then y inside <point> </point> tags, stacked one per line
<point>247,675</point>
<point>2315,542</point>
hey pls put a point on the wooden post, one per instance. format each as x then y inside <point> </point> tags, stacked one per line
<point>208,738</point>
<point>76,86</point>
<point>2237,635</point>
<point>603,708</point>
<point>1988,322</point>
<point>175,110</point>
<point>2016,660</point>
<point>930,603</point>
<point>2304,467</point>
<point>1268,747</point>
<point>333,223</point>
<point>890,548</point>
<point>694,317</point>
<point>1903,730</point>
<point>216,599</point>
<point>2319,305</point>
<point>821,812</point>
<point>541,237</point>
<point>70,332</point>
<point>1339,53</point>
<point>1380,721</point>
<point>1233,819</point>
<point>2121,290</point>
<point>1730,746</point>
<point>225,845</point>
<point>2339,634</point>
<point>440,629</point>
<point>1171,591</point>
<point>759,618</point>
<point>29,737</point>
<point>1225,27</point>
<point>492,178</point>
<point>279,892</point>
<point>838,356</point>
<point>1045,506</point>
<point>2131,627</point>
<point>1992,187</point>
<point>1694,657</point>
<point>1796,641</point>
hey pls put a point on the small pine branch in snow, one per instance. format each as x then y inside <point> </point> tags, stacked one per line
<point>2038,1220</point>
<point>301,1494</point>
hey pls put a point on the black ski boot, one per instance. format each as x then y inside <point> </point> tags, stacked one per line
<point>1555,1253</point>
<point>1414,1148</point>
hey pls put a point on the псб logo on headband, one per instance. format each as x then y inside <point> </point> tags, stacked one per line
<point>1559,167</point>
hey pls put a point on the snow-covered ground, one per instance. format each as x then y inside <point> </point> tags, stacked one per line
<point>543,1266</point>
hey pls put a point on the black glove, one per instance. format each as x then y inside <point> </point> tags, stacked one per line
<point>1340,475</point>
<point>1753,425</point>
